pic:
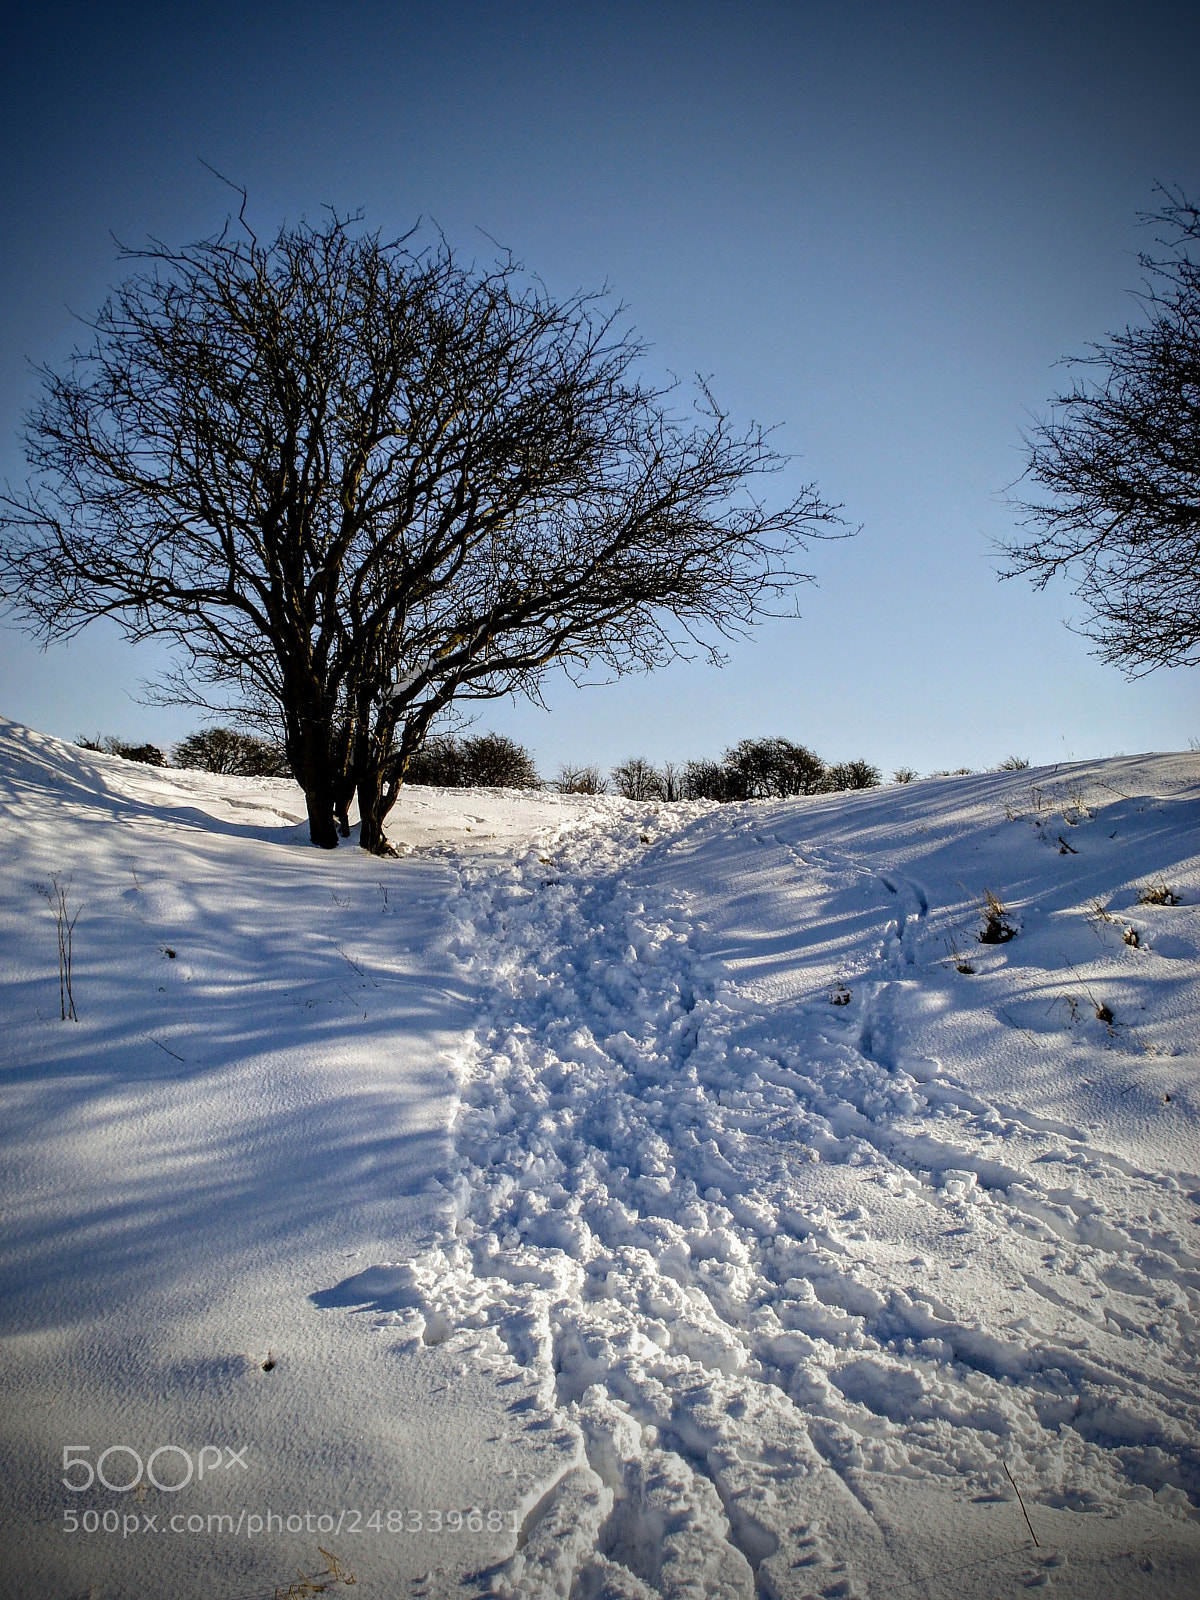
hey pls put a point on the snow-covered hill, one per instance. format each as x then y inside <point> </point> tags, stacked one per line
<point>603,1199</point>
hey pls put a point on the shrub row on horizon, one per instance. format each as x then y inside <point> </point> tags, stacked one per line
<point>754,769</point>
<point>220,750</point>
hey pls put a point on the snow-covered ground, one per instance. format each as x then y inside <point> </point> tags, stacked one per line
<point>603,1199</point>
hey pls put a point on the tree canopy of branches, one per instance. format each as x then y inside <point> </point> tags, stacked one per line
<point>1120,458</point>
<point>356,480</point>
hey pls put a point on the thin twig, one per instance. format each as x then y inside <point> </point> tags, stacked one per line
<point>1032,1037</point>
<point>1021,1503</point>
<point>65,924</point>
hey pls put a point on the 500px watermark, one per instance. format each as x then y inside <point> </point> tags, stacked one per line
<point>119,1467</point>
<point>395,1520</point>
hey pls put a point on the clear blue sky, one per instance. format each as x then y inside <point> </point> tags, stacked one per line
<point>876,225</point>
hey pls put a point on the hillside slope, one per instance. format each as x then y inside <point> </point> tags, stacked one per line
<point>648,1179</point>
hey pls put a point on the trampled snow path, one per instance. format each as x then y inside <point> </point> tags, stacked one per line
<point>812,1305</point>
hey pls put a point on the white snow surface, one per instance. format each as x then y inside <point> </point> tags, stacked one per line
<point>603,1199</point>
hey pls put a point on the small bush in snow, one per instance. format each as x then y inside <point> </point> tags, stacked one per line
<point>961,962</point>
<point>997,928</point>
<point>904,774</point>
<point>225,751</point>
<point>492,761</point>
<point>148,754</point>
<point>1013,764</point>
<point>771,769</point>
<point>438,762</point>
<point>1157,894</point>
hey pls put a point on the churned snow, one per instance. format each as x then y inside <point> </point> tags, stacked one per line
<point>604,1199</point>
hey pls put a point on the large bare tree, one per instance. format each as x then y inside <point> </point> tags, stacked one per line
<point>356,480</point>
<point>1120,461</point>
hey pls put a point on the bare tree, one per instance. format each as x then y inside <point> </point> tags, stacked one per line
<point>1120,459</point>
<point>580,780</point>
<point>711,780</point>
<point>636,779</point>
<point>355,480</point>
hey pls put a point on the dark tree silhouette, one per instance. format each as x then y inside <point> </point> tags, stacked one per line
<point>355,480</point>
<point>851,775</point>
<point>492,760</point>
<point>148,754</point>
<point>438,762</point>
<point>1120,459</point>
<point>226,750</point>
<point>486,760</point>
<point>637,779</point>
<point>580,780</point>
<point>764,769</point>
<point>710,780</point>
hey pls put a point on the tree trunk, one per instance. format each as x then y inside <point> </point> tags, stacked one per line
<point>322,826</point>
<point>311,766</point>
<point>372,808</point>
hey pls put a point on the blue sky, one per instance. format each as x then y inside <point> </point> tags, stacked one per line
<point>877,226</point>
